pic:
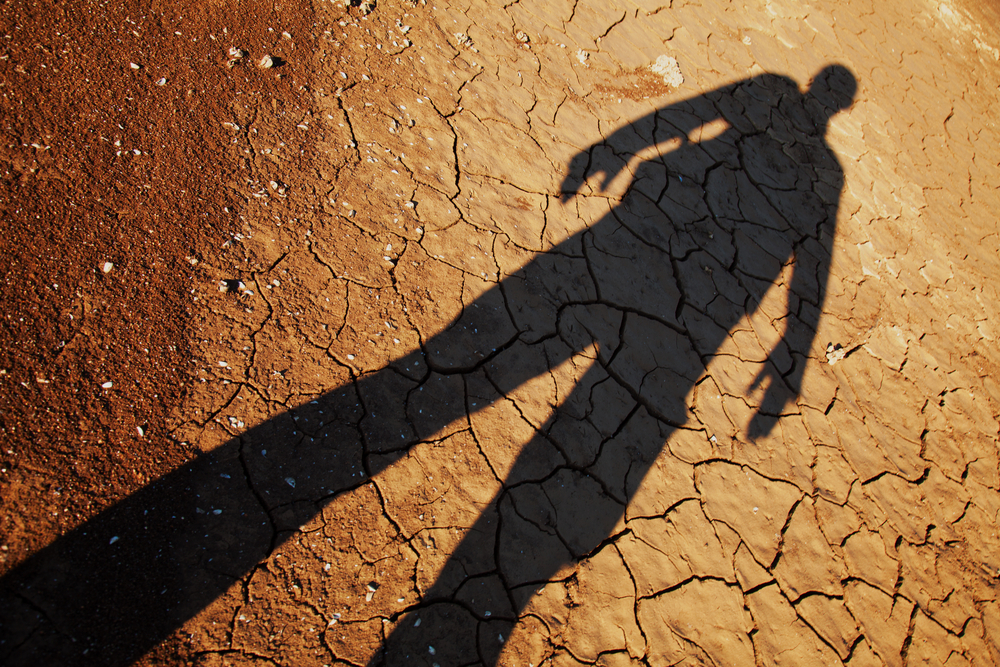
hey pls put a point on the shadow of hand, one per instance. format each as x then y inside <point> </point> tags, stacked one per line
<point>780,392</point>
<point>581,167</point>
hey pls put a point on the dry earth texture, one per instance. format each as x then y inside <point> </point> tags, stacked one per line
<point>572,333</point>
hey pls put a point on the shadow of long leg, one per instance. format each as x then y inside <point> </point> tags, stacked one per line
<point>536,528</point>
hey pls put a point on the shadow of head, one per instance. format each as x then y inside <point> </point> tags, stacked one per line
<point>834,87</point>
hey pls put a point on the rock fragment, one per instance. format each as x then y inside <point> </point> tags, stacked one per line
<point>669,69</point>
<point>835,353</point>
<point>236,55</point>
<point>466,41</point>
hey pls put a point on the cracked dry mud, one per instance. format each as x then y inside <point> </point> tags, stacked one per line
<point>481,344</point>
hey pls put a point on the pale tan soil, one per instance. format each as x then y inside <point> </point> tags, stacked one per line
<point>521,355</point>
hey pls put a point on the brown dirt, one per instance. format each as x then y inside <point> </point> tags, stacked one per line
<point>300,254</point>
<point>76,195</point>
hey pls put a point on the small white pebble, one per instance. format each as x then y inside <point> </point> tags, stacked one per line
<point>113,540</point>
<point>108,385</point>
<point>161,82</point>
<point>107,266</point>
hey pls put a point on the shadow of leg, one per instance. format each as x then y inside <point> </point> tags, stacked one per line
<point>534,531</point>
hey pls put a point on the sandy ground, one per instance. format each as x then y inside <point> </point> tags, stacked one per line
<point>618,333</point>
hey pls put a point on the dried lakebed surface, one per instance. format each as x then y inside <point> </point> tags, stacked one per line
<point>572,333</point>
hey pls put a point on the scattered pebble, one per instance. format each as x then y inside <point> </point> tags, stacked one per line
<point>372,587</point>
<point>231,286</point>
<point>290,481</point>
<point>367,7</point>
<point>161,81</point>
<point>583,57</point>
<point>267,62</point>
<point>133,66</point>
<point>236,54</point>
<point>522,37</point>
<point>107,266</point>
<point>108,385</point>
<point>140,431</point>
<point>835,353</point>
<point>669,69</point>
<point>466,41</point>
<point>113,540</point>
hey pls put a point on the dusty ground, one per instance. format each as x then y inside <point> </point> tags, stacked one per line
<point>420,385</point>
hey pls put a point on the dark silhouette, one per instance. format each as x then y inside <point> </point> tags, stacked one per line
<point>654,287</point>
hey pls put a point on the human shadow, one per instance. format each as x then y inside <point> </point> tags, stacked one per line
<point>650,292</point>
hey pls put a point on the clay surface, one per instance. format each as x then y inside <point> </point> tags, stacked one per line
<point>455,333</point>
